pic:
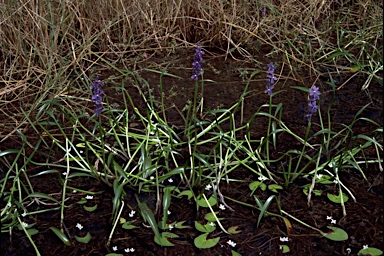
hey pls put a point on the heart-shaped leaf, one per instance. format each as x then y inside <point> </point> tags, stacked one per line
<point>202,242</point>
<point>335,234</point>
<point>370,251</point>
<point>164,239</point>
<point>203,203</point>
<point>84,239</point>
<point>337,198</point>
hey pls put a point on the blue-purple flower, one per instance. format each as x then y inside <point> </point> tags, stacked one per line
<point>271,78</point>
<point>97,96</point>
<point>314,95</point>
<point>197,65</point>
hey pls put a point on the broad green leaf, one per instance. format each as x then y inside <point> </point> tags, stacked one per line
<point>32,231</point>
<point>164,239</point>
<point>335,234</point>
<point>337,199</point>
<point>325,179</point>
<point>82,201</point>
<point>370,251</point>
<point>211,217</point>
<point>207,228</point>
<point>235,253</point>
<point>203,203</point>
<point>128,225</point>
<point>257,184</point>
<point>84,239</point>
<point>274,187</point>
<point>61,236</point>
<point>233,230</point>
<point>90,208</point>
<point>202,242</point>
<point>180,225</point>
<point>284,248</point>
<point>187,193</point>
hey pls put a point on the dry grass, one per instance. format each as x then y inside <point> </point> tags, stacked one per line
<point>47,46</point>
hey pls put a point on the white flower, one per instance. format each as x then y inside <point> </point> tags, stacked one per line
<point>222,207</point>
<point>231,243</point>
<point>170,180</point>
<point>170,227</point>
<point>24,214</point>
<point>126,249</point>
<point>152,177</point>
<point>64,173</point>
<point>365,246</point>
<point>169,212</point>
<point>333,221</point>
<point>212,224</point>
<point>335,181</point>
<point>208,187</point>
<point>319,176</point>
<point>132,213</point>
<point>261,178</point>
<point>79,226</point>
<point>348,250</point>
<point>329,218</point>
<point>132,249</point>
<point>88,197</point>
<point>284,239</point>
<point>114,248</point>
<point>74,191</point>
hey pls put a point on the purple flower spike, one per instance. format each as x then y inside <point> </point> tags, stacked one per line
<point>314,95</point>
<point>97,97</point>
<point>271,79</point>
<point>197,65</point>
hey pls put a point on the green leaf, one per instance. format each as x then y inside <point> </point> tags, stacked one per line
<point>32,231</point>
<point>211,217</point>
<point>202,242</point>
<point>274,187</point>
<point>164,239</point>
<point>325,179</point>
<point>233,230</point>
<point>335,234</point>
<point>370,251</point>
<point>187,193</point>
<point>284,248</point>
<point>207,228</point>
<point>264,209</point>
<point>61,236</point>
<point>84,239</point>
<point>337,199</point>
<point>180,225</point>
<point>128,225</point>
<point>82,201</point>
<point>150,218</point>
<point>257,184</point>
<point>90,208</point>
<point>203,203</point>
<point>235,253</point>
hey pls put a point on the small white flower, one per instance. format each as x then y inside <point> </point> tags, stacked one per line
<point>208,187</point>
<point>79,226</point>
<point>88,197</point>
<point>212,224</point>
<point>152,177</point>
<point>169,212</point>
<point>348,250</point>
<point>24,214</point>
<point>333,221</point>
<point>132,213</point>
<point>170,180</point>
<point>26,225</point>
<point>222,207</point>
<point>365,246</point>
<point>284,239</point>
<point>126,250</point>
<point>170,227</point>
<point>329,218</point>
<point>335,181</point>
<point>262,178</point>
<point>114,248</point>
<point>319,176</point>
<point>281,247</point>
<point>132,249</point>
<point>64,173</point>
<point>74,191</point>
<point>231,243</point>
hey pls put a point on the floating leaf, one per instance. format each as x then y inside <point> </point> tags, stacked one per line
<point>284,248</point>
<point>84,239</point>
<point>202,242</point>
<point>164,239</point>
<point>90,208</point>
<point>370,251</point>
<point>337,198</point>
<point>61,236</point>
<point>335,234</point>
<point>203,203</point>
<point>233,230</point>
